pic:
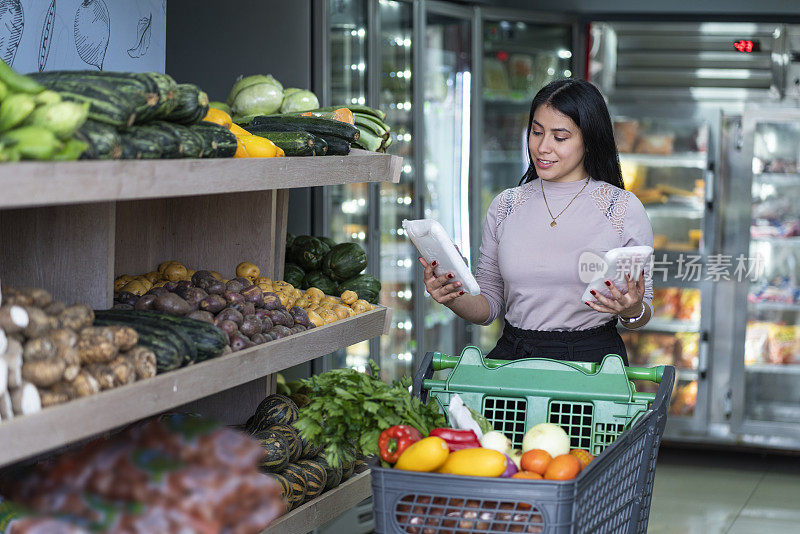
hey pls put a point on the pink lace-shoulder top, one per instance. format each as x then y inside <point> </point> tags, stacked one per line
<point>532,269</point>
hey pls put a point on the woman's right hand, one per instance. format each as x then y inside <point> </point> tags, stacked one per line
<point>444,289</point>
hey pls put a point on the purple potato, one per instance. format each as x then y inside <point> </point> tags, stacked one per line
<point>300,316</point>
<point>251,325</point>
<point>202,278</point>
<point>194,296</point>
<point>296,329</point>
<point>266,324</point>
<point>258,339</point>
<point>239,342</point>
<point>172,304</point>
<point>233,297</point>
<point>181,285</point>
<point>253,294</point>
<point>288,320</point>
<point>146,302</point>
<point>126,297</point>
<point>227,326</point>
<point>157,291</point>
<point>213,304</point>
<point>271,300</point>
<point>201,315</point>
<point>244,281</point>
<point>280,331</point>
<point>229,314</point>
<point>215,287</point>
<point>170,286</point>
<point>235,286</point>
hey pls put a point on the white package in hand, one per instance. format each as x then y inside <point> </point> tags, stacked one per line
<point>618,262</point>
<point>434,244</point>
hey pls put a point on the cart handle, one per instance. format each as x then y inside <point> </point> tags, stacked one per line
<point>441,361</point>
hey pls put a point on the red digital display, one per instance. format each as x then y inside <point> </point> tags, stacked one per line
<point>743,45</point>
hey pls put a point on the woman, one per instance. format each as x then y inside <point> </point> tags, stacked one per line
<point>570,201</point>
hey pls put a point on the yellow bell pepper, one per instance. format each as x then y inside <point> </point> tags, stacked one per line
<point>428,454</point>
<point>477,462</point>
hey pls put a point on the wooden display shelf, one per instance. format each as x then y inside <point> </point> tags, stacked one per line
<point>327,506</point>
<point>30,184</point>
<point>56,426</point>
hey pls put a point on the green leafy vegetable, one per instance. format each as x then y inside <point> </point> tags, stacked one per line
<point>349,407</point>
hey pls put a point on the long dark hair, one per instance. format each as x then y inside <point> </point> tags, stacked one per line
<point>582,102</point>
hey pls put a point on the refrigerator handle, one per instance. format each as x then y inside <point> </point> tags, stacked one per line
<point>702,356</point>
<point>709,181</point>
<point>738,136</point>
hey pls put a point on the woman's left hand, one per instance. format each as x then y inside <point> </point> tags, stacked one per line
<point>628,305</point>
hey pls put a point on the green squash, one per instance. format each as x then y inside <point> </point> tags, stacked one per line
<point>293,274</point>
<point>333,474</point>
<point>276,451</point>
<point>365,285</point>
<point>344,261</point>
<point>328,241</point>
<point>307,252</point>
<point>296,476</point>
<point>274,410</point>
<point>292,437</point>
<point>319,280</point>
<point>316,478</point>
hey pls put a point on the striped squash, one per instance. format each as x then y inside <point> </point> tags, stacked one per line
<point>292,438</point>
<point>296,476</point>
<point>316,478</point>
<point>276,451</point>
<point>286,488</point>
<point>333,475</point>
<point>276,409</point>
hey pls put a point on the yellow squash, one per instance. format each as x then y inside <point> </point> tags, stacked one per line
<point>428,454</point>
<point>477,462</point>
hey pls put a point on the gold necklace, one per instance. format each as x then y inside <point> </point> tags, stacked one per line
<point>553,224</point>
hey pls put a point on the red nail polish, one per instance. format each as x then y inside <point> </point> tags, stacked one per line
<point>587,304</point>
<point>460,293</point>
<point>642,273</point>
<point>435,263</point>
<point>450,275</point>
<point>593,292</point>
<point>608,283</point>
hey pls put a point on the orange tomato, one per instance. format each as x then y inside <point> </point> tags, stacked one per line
<point>536,461</point>
<point>527,474</point>
<point>563,467</point>
<point>583,457</point>
<point>218,116</point>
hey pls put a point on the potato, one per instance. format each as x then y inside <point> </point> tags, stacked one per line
<point>280,331</point>
<point>235,286</point>
<point>200,315</point>
<point>250,326</point>
<point>213,304</point>
<point>147,301</point>
<point>300,316</point>
<point>124,337</point>
<point>137,287</point>
<point>216,275</point>
<point>63,337</point>
<point>246,308</point>
<point>153,277</point>
<point>86,384</point>
<point>327,315</point>
<point>38,322</point>
<point>175,272</point>
<point>43,373</point>
<point>77,317</point>
<point>247,270</point>
<point>103,374</point>
<point>103,331</point>
<point>51,398</point>
<point>229,314</point>
<point>239,342</point>
<point>254,295</point>
<point>259,339</point>
<point>349,297</point>
<point>172,304</point>
<point>342,311</point>
<point>315,318</point>
<point>233,297</point>
<point>271,301</point>
<point>55,308</point>
<point>314,294</point>
<point>41,297</point>
<point>144,362</point>
<point>40,348</point>
<point>216,288</point>
<point>120,282</point>
<point>126,297</point>
<point>193,296</point>
<point>124,371</point>
<point>72,361</point>
<point>296,329</point>
<point>96,349</point>
<point>227,326</point>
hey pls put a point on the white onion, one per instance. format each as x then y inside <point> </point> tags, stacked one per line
<point>548,437</point>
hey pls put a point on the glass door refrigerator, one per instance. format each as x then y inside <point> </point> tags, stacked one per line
<point>520,53</point>
<point>765,385</point>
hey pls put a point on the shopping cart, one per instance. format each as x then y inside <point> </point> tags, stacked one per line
<point>596,404</point>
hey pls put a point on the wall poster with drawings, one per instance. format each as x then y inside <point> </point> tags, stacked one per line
<point>120,35</point>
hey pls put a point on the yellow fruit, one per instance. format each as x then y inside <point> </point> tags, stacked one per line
<point>428,454</point>
<point>302,302</point>
<point>360,306</point>
<point>216,275</point>
<point>121,281</point>
<point>263,280</point>
<point>476,462</point>
<point>315,318</point>
<point>314,294</point>
<point>248,270</point>
<point>327,315</point>
<point>330,300</point>
<point>296,293</point>
<point>341,311</point>
<point>218,116</point>
<point>284,298</point>
<point>153,276</point>
<point>238,130</point>
<point>175,272</point>
<point>258,147</point>
<point>266,287</point>
<point>163,266</point>
<point>136,287</point>
<point>241,151</point>
<point>349,297</point>
<point>280,153</point>
<point>281,285</point>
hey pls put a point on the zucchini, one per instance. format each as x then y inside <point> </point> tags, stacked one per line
<point>167,94</point>
<point>292,143</point>
<point>192,104</point>
<point>207,338</point>
<point>139,144</point>
<point>336,145</point>
<point>174,333</point>
<point>369,141</point>
<point>365,122</point>
<point>104,141</point>
<point>168,354</point>
<point>219,142</point>
<point>313,125</point>
<point>189,143</point>
<point>320,146</point>
<point>105,104</point>
<point>357,108</point>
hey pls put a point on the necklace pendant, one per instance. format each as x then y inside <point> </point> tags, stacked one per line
<point>553,224</point>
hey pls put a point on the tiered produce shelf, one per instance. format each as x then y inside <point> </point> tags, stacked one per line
<point>327,506</point>
<point>30,435</point>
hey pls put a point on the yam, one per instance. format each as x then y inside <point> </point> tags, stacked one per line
<point>64,337</point>
<point>41,297</point>
<point>6,409</point>
<point>103,374</point>
<point>43,373</point>
<point>38,322</point>
<point>25,399</point>
<point>144,362</point>
<point>40,348</point>
<point>77,317</point>
<point>13,318</point>
<point>123,369</point>
<point>13,359</point>
<point>86,384</point>
<point>96,349</point>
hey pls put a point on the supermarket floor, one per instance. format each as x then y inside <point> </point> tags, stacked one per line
<point>698,491</point>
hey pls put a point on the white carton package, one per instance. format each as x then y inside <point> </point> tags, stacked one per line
<point>619,261</point>
<point>434,244</point>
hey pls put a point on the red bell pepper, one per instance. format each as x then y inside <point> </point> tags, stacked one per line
<point>394,440</point>
<point>457,439</point>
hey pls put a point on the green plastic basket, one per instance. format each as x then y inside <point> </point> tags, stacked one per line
<point>593,403</point>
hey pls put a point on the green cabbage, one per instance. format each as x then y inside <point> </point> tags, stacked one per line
<point>297,100</point>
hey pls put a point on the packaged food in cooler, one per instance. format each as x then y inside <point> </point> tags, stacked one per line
<point>659,144</point>
<point>687,350</point>
<point>520,70</point>
<point>783,344</point>
<point>495,76</point>
<point>755,342</point>
<point>625,134</point>
<point>666,302</point>
<point>684,399</point>
<point>689,305</point>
